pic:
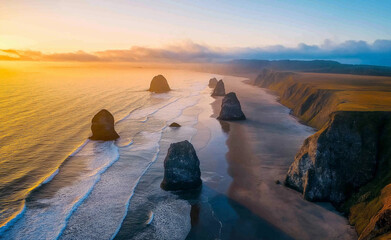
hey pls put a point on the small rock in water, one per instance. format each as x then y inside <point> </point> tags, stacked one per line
<point>159,84</point>
<point>219,89</point>
<point>212,82</point>
<point>181,167</point>
<point>102,126</point>
<point>230,108</point>
<point>175,125</point>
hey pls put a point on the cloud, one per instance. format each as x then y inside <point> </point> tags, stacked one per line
<point>356,52</point>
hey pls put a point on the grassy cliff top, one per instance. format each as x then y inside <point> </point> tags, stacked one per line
<point>355,93</point>
<point>313,96</point>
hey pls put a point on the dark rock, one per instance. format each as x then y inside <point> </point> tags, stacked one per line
<point>230,108</point>
<point>212,82</point>
<point>175,125</point>
<point>102,126</point>
<point>339,159</point>
<point>278,182</point>
<point>219,89</point>
<point>181,167</point>
<point>159,84</point>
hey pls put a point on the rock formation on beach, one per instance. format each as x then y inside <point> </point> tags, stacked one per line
<point>230,108</point>
<point>181,167</point>
<point>175,125</point>
<point>219,89</point>
<point>212,82</point>
<point>102,126</point>
<point>159,84</point>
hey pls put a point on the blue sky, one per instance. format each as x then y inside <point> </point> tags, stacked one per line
<point>53,26</point>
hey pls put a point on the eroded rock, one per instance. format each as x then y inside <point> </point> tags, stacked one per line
<point>212,82</point>
<point>219,89</point>
<point>181,167</point>
<point>102,126</point>
<point>159,84</point>
<point>230,108</point>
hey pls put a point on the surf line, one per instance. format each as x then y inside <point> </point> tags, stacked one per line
<point>46,179</point>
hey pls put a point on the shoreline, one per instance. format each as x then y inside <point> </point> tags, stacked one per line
<point>255,165</point>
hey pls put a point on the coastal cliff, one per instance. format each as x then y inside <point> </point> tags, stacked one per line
<point>312,97</point>
<point>348,161</point>
<point>340,158</point>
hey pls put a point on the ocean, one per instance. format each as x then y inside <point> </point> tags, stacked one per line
<point>49,168</point>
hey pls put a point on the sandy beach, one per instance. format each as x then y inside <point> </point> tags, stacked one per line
<point>260,150</point>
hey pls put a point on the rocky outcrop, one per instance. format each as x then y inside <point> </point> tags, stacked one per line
<point>340,158</point>
<point>212,82</point>
<point>230,108</point>
<point>348,161</point>
<point>159,84</point>
<point>102,126</point>
<point>219,89</point>
<point>380,223</point>
<point>175,125</point>
<point>311,104</point>
<point>181,167</point>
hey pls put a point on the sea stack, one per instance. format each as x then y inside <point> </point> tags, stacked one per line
<point>102,126</point>
<point>230,108</point>
<point>159,84</point>
<point>219,89</point>
<point>181,168</point>
<point>212,82</point>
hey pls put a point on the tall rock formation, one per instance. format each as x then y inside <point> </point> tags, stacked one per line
<point>159,84</point>
<point>230,108</point>
<point>219,89</point>
<point>181,167</point>
<point>102,126</point>
<point>212,82</point>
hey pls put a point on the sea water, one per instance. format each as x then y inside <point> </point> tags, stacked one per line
<point>53,181</point>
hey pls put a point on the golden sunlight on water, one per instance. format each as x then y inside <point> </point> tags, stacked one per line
<point>46,110</point>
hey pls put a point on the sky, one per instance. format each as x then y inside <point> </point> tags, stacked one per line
<point>226,29</point>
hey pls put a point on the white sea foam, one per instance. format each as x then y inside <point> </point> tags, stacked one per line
<point>144,113</point>
<point>109,201</point>
<point>112,195</point>
<point>171,220</point>
<point>25,222</point>
<point>45,218</point>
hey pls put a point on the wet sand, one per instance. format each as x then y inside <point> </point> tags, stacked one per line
<point>260,151</point>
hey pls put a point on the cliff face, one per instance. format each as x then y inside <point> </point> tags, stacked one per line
<point>340,158</point>
<point>310,104</point>
<point>348,161</point>
<point>313,96</point>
